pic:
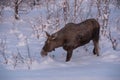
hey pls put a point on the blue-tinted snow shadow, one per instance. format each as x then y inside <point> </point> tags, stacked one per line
<point>103,71</point>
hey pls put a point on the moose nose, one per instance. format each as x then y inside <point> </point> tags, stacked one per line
<point>43,53</point>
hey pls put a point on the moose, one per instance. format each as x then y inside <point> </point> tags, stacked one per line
<point>72,36</point>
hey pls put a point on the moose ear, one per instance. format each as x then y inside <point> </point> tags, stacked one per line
<point>47,34</point>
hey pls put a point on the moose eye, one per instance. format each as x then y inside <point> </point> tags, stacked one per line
<point>53,38</point>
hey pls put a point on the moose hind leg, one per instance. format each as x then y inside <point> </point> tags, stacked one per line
<point>69,55</point>
<point>96,47</point>
<point>94,51</point>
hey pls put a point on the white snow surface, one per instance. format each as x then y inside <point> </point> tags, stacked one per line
<point>83,65</point>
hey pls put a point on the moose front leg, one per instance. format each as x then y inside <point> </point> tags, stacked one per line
<point>69,50</point>
<point>69,55</point>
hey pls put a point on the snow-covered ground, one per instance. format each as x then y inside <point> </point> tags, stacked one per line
<point>94,71</point>
<point>22,51</point>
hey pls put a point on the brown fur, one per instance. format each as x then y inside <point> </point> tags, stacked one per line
<point>72,36</point>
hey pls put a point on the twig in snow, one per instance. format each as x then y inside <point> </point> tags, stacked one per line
<point>2,49</point>
<point>28,50</point>
<point>113,41</point>
<point>17,58</point>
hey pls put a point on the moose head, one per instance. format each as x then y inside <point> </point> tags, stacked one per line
<point>51,43</point>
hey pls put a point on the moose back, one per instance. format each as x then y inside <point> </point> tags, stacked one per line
<point>72,36</point>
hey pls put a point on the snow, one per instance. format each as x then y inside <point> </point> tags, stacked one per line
<point>22,50</point>
<point>94,72</point>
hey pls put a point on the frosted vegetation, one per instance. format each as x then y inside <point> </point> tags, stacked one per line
<point>22,36</point>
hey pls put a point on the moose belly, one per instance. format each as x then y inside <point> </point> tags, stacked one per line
<point>84,40</point>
